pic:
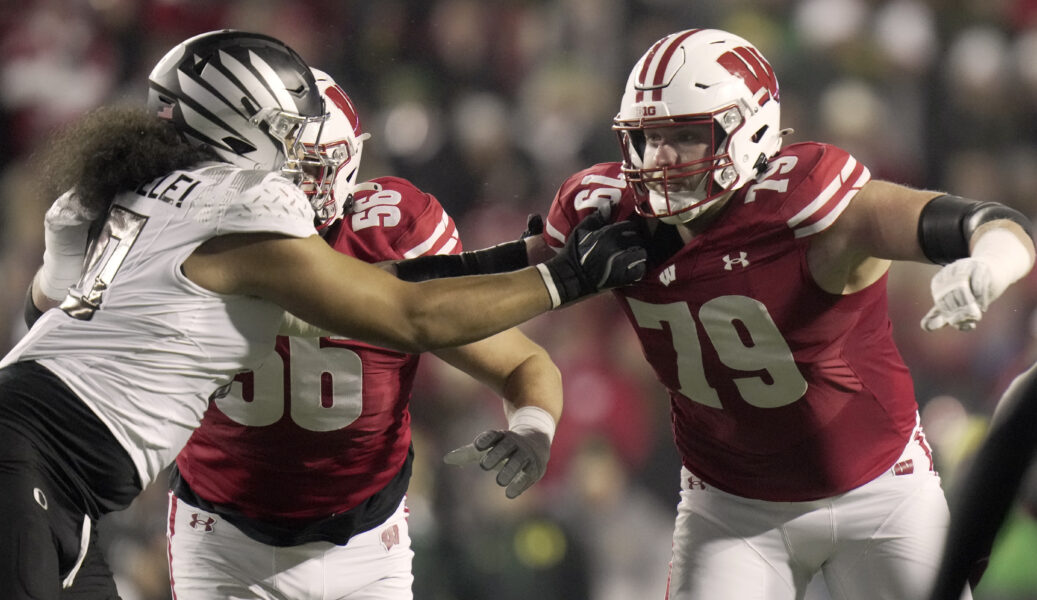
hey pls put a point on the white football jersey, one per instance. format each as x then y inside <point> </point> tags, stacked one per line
<point>142,345</point>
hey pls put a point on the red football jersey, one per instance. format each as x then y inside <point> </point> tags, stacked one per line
<point>779,390</point>
<point>323,424</point>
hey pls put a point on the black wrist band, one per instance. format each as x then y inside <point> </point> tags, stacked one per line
<point>32,313</point>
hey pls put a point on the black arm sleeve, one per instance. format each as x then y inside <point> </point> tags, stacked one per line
<point>987,490</point>
<point>947,223</point>
<point>509,256</point>
<point>32,313</point>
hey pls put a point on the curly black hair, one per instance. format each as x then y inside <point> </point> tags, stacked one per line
<point>114,149</point>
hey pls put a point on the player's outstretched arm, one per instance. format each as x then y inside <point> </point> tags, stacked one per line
<point>523,374</point>
<point>354,299</point>
<point>984,247</point>
<point>508,256</point>
<point>66,228</point>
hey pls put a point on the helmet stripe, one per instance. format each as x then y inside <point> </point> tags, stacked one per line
<point>199,97</point>
<point>274,82</point>
<point>250,80</point>
<point>664,62</point>
<point>344,104</point>
<point>644,69</point>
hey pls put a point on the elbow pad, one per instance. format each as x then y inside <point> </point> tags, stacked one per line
<point>947,223</point>
<point>502,258</point>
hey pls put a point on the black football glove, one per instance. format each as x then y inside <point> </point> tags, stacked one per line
<point>520,455</point>
<point>596,257</point>
<point>534,226</point>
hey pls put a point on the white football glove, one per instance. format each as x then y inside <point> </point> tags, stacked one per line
<point>961,291</point>
<point>66,227</point>
<point>520,454</point>
<point>966,287</point>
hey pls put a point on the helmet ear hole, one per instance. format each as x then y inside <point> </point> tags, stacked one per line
<point>759,134</point>
<point>761,164</point>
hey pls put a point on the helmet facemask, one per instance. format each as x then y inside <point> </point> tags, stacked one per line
<point>330,155</point>
<point>680,192</point>
<point>288,130</point>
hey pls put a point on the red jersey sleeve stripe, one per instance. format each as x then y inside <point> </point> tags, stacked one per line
<point>826,207</point>
<point>448,247</point>
<point>445,228</point>
<point>555,235</point>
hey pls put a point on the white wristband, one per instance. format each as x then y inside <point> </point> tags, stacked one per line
<point>1005,255</point>
<point>549,281</point>
<point>532,418</point>
<point>66,227</point>
<point>60,271</point>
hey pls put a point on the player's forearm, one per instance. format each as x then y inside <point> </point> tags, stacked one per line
<point>457,311</point>
<point>535,382</point>
<point>36,302</point>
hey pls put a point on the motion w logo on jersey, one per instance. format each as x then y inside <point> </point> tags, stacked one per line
<point>390,537</point>
<point>668,275</point>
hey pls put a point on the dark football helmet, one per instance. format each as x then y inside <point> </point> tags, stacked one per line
<point>248,96</point>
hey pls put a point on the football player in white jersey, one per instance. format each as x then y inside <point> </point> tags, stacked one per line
<point>764,314</point>
<point>200,242</point>
<point>293,486</point>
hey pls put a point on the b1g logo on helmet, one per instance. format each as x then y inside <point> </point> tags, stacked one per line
<point>754,70</point>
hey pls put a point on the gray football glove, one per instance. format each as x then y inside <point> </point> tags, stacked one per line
<point>521,457</point>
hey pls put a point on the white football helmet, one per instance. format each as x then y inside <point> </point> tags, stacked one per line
<point>248,96</point>
<point>699,76</point>
<point>331,155</point>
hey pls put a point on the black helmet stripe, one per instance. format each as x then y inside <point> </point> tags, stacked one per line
<point>257,76</point>
<point>186,102</point>
<point>233,122</point>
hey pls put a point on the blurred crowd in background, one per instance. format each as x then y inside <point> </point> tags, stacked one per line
<point>489,105</point>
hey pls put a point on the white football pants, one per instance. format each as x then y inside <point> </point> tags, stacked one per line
<point>210,559</point>
<point>881,541</point>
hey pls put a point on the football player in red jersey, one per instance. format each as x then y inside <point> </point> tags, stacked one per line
<point>764,313</point>
<point>201,238</point>
<point>294,485</point>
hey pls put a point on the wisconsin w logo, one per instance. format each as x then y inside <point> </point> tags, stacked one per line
<point>757,73</point>
<point>668,275</point>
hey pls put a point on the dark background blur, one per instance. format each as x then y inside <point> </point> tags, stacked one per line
<point>489,105</point>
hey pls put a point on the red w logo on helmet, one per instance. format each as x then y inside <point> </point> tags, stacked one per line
<point>757,73</point>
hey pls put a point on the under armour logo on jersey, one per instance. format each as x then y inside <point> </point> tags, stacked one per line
<point>695,482</point>
<point>205,525</point>
<point>742,260</point>
<point>668,275</point>
<point>390,537</point>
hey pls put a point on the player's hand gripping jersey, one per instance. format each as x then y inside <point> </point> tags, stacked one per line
<point>779,390</point>
<point>135,336</point>
<point>323,425</point>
